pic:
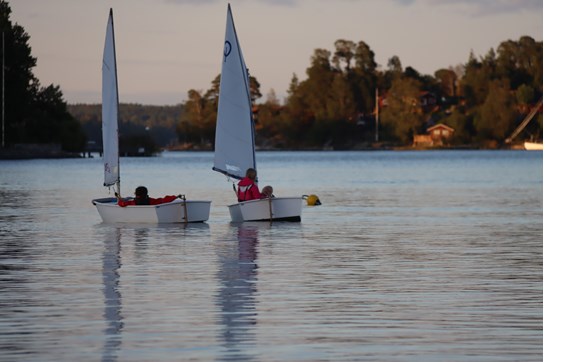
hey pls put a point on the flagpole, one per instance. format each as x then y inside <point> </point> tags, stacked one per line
<point>2,89</point>
<point>377,115</point>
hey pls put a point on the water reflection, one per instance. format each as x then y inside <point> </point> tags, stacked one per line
<point>16,208</point>
<point>113,305</point>
<point>17,273</point>
<point>141,239</point>
<point>426,257</point>
<point>238,274</point>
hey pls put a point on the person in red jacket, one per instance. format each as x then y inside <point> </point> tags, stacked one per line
<point>142,198</point>
<point>247,188</point>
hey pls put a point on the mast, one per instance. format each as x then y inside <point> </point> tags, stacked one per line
<point>377,114</point>
<point>116,103</point>
<point>246,73</point>
<point>110,110</point>
<point>3,144</point>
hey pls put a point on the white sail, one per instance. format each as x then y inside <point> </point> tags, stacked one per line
<point>178,211</point>
<point>110,107</point>
<point>234,139</point>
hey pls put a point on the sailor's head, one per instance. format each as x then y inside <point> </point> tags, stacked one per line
<point>267,191</point>
<point>251,174</point>
<point>141,191</point>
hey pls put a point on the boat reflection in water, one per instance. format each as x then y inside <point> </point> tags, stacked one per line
<point>112,295</point>
<point>236,299</point>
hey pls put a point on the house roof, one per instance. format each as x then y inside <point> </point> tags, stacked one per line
<point>440,125</point>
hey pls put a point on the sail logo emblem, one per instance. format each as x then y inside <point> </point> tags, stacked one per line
<point>232,168</point>
<point>227,49</point>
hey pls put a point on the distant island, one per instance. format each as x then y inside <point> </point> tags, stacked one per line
<point>476,105</point>
<point>346,102</point>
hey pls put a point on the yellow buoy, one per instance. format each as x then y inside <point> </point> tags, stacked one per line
<point>312,200</point>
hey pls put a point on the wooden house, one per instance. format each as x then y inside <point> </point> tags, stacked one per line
<point>439,133</point>
<point>436,135</point>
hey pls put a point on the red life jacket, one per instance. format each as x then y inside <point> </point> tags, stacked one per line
<point>247,190</point>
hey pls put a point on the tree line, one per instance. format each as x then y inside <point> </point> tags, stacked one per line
<point>147,126</point>
<point>32,113</point>
<point>336,105</point>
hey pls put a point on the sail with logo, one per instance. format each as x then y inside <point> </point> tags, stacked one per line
<point>234,139</point>
<point>234,136</point>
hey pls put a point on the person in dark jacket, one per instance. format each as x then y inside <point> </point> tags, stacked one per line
<point>142,198</point>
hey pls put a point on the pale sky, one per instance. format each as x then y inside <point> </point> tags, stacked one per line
<point>166,47</point>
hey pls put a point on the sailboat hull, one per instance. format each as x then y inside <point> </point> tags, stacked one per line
<point>172,212</point>
<point>275,209</point>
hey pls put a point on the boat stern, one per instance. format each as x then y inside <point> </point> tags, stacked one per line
<point>275,209</point>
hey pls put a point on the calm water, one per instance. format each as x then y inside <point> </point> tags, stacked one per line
<point>413,256</point>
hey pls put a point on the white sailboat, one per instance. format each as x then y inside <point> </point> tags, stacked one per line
<point>234,139</point>
<point>177,211</point>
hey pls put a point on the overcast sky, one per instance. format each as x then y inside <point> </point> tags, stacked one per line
<point>166,47</point>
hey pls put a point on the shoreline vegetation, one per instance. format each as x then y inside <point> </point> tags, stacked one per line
<point>33,151</point>
<point>347,101</point>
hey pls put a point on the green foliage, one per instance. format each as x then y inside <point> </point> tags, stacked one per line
<point>403,115</point>
<point>447,79</point>
<point>335,105</point>
<point>462,123</point>
<point>344,54</point>
<point>495,117</point>
<point>197,120</point>
<point>364,79</point>
<point>33,114</point>
<point>475,83</point>
<point>137,144</point>
<point>521,62</point>
<point>394,64</point>
<point>483,100</point>
<point>50,121</point>
<point>525,94</point>
<point>158,123</point>
<point>324,108</point>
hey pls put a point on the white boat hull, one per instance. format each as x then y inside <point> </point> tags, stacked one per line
<point>533,146</point>
<point>172,212</point>
<point>274,209</point>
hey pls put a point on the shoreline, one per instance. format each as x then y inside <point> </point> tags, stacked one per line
<point>31,152</point>
<point>35,151</point>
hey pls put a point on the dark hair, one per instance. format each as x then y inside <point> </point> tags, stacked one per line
<point>141,196</point>
<point>141,191</point>
<point>251,173</point>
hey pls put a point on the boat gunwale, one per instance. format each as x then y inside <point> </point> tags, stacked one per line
<point>112,202</point>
